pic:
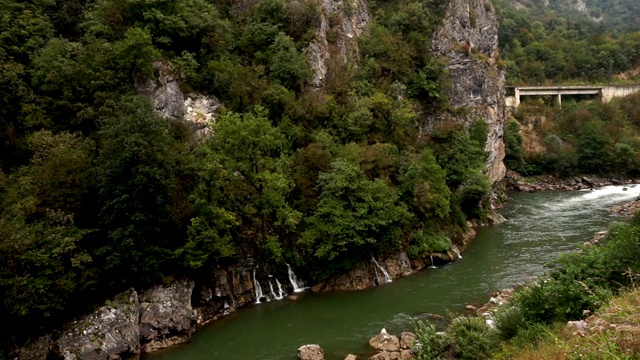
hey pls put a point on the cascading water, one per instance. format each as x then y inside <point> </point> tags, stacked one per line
<point>432,265</point>
<point>257,287</point>
<point>273,294</point>
<point>298,286</point>
<point>457,253</point>
<point>281,293</point>
<point>387,278</point>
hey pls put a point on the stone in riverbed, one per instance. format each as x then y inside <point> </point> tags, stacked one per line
<point>407,339</point>
<point>381,356</point>
<point>310,352</point>
<point>385,342</point>
<point>351,357</point>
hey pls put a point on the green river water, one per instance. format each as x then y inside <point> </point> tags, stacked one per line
<point>540,226</point>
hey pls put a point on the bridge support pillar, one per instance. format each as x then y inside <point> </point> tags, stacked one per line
<point>559,100</point>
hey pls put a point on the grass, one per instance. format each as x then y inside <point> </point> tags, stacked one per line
<point>613,332</point>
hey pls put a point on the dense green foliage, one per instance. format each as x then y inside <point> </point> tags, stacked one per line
<point>579,138</point>
<point>557,43</point>
<point>99,193</point>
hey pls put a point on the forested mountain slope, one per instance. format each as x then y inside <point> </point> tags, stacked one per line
<point>320,156</point>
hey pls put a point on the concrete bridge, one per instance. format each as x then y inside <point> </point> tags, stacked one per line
<point>604,93</point>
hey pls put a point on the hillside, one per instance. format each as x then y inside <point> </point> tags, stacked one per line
<point>220,141</point>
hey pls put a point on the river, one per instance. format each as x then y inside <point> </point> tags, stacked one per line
<point>540,226</point>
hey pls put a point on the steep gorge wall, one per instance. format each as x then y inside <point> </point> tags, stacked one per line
<point>468,40</point>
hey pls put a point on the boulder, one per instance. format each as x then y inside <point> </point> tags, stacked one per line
<point>407,339</point>
<point>110,333</point>
<point>310,352</point>
<point>406,355</point>
<point>351,357</point>
<point>166,315</point>
<point>385,342</point>
<point>381,356</point>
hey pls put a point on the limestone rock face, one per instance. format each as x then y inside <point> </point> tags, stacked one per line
<point>165,93</point>
<point>385,342</point>
<point>468,40</point>
<point>346,26</point>
<point>111,332</point>
<point>227,289</point>
<point>310,352</point>
<point>166,315</point>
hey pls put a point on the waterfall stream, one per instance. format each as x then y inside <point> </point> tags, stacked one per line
<point>387,278</point>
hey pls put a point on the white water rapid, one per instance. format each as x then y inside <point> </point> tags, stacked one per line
<point>387,278</point>
<point>298,286</point>
<point>257,287</point>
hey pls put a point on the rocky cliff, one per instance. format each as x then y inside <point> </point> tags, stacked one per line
<point>336,40</point>
<point>165,91</point>
<point>468,40</point>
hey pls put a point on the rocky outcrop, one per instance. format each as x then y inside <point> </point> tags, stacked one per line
<point>627,210</point>
<point>164,90</point>
<point>336,40</point>
<point>515,182</point>
<point>38,349</point>
<point>468,40</point>
<point>366,274</point>
<point>166,315</point>
<point>310,352</point>
<point>225,290</point>
<point>389,347</point>
<point>112,332</point>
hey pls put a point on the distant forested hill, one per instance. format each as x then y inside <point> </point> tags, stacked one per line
<point>565,41</point>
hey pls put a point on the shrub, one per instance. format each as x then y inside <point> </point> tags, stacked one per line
<point>509,321</point>
<point>472,338</point>
<point>429,344</point>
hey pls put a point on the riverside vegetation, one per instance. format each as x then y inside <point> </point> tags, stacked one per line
<point>598,284</point>
<point>99,194</point>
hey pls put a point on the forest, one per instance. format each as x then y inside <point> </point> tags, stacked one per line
<point>98,193</point>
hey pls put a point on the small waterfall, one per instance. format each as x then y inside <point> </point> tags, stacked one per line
<point>457,253</point>
<point>257,287</point>
<point>273,294</point>
<point>387,278</point>
<point>298,286</point>
<point>281,292</point>
<point>432,265</point>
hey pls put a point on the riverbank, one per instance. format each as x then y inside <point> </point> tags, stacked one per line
<point>615,327</point>
<point>516,182</point>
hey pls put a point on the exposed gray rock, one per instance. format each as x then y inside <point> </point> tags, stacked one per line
<point>468,40</point>
<point>166,315</point>
<point>111,332</point>
<point>345,19</point>
<point>310,352</point>
<point>164,90</point>
<point>385,342</point>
